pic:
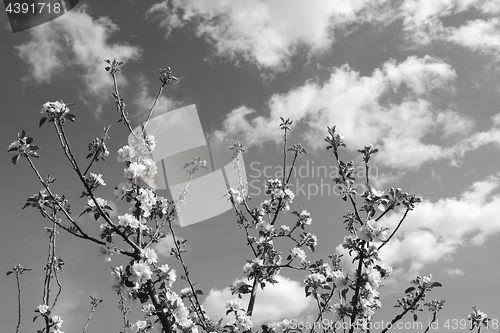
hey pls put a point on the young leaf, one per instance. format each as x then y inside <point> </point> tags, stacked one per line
<point>409,290</point>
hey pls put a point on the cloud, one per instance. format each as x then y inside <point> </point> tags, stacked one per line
<point>384,179</point>
<point>69,305</point>
<point>266,33</point>
<point>422,23</point>
<point>477,140</point>
<point>478,35</point>
<point>284,300</point>
<point>164,246</point>
<point>391,108</point>
<point>435,230</point>
<point>454,271</point>
<point>75,41</point>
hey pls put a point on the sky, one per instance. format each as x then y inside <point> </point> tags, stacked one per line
<point>419,79</point>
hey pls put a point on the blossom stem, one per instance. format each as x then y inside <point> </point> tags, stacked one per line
<point>348,194</point>
<point>94,306</point>
<point>67,150</point>
<point>385,212</point>
<point>53,267</point>
<point>322,310</point>
<point>355,298</point>
<point>152,108</point>
<point>119,105</point>
<point>97,151</point>
<point>284,183</point>
<point>199,310</point>
<point>251,302</point>
<point>159,310</point>
<point>82,234</point>
<point>18,302</point>
<point>432,321</point>
<point>395,230</point>
<point>401,315</point>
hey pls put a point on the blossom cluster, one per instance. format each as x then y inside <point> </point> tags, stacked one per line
<point>54,109</point>
<point>55,321</point>
<point>242,321</point>
<point>140,167</point>
<point>280,195</point>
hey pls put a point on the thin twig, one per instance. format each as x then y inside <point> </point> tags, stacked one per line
<point>199,310</point>
<point>95,302</point>
<point>18,303</point>
<point>395,230</point>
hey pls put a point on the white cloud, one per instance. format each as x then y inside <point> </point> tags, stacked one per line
<point>269,33</point>
<point>284,300</point>
<point>75,41</point>
<point>69,305</point>
<point>266,33</point>
<point>384,179</point>
<point>422,22</point>
<point>478,139</point>
<point>389,108</point>
<point>478,35</point>
<point>435,230</point>
<point>454,271</point>
<point>164,246</point>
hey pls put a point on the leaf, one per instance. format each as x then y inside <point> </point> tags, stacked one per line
<point>35,318</point>
<point>415,317</point>
<point>436,284</point>
<point>88,209</point>
<point>344,293</point>
<point>70,117</point>
<point>15,159</point>
<point>186,165</point>
<point>9,273</point>
<point>409,290</point>
<point>199,292</point>
<point>29,140</point>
